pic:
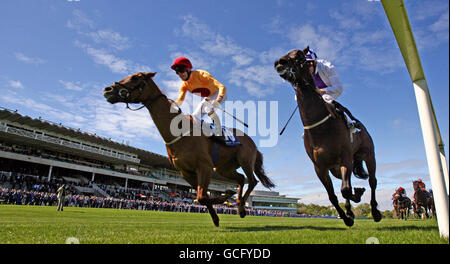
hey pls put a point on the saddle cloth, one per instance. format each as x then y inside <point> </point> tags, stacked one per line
<point>230,137</point>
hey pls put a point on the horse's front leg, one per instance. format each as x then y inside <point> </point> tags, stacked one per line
<point>346,187</point>
<point>348,209</point>
<point>328,184</point>
<point>203,179</point>
<point>251,185</point>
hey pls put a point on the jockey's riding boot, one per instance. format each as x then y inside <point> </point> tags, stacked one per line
<point>331,109</point>
<point>202,128</point>
<point>352,123</point>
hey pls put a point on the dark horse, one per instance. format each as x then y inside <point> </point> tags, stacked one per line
<point>423,199</point>
<point>402,206</point>
<point>327,138</point>
<point>190,154</point>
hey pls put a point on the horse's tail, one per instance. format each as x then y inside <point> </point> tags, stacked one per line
<point>260,173</point>
<point>359,171</point>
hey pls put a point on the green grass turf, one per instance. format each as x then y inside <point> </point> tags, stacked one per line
<point>44,225</point>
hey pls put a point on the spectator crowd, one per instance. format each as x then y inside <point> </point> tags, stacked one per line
<point>33,190</point>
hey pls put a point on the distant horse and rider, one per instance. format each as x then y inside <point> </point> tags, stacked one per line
<point>402,204</point>
<point>331,141</point>
<point>423,202</point>
<point>196,157</point>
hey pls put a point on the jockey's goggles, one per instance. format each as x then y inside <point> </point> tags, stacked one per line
<point>310,63</point>
<point>179,69</point>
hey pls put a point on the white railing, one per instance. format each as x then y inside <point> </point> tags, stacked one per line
<point>59,141</point>
<point>100,190</point>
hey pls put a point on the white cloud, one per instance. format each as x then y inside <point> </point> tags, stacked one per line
<point>79,21</point>
<point>249,69</point>
<point>85,26</point>
<point>111,38</point>
<point>23,58</point>
<point>275,25</point>
<point>15,84</point>
<point>441,25</point>
<point>431,25</point>
<point>257,79</point>
<point>325,41</point>
<point>91,113</point>
<point>114,63</point>
<point>111,42</point>
<point>346,21</point>
<point>74,86</point>
<point>118,122</point>
<point>364,49</point>
<point>433,8</point>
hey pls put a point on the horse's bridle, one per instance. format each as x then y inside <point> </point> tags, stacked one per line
<point>128,91</point>
<point>303,82</point>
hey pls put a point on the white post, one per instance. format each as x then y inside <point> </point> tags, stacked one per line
<point>50,173</point>
<point>433,156</point>
<point>93,177</point>
<point>445,169</point>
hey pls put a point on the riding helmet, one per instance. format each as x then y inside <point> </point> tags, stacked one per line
<point>181,61</point>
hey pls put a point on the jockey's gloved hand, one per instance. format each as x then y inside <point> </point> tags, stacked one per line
<point>208,107</point>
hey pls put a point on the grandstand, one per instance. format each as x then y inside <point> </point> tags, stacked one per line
<point>269,200</point>
<point>94,164</point>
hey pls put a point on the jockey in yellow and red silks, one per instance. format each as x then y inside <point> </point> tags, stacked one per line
<point>421,185</point>
<point>400,192</point>
<point>203,84</point>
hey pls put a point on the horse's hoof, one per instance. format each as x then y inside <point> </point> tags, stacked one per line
<point>216,222</point>
<point>359,191</point>
<point>377,216</point>
<point>349,221</point>
<point>346,193</point>
<point>241,212</point>
<point>350,214</point>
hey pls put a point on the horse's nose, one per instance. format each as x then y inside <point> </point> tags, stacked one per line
<point>107,89</point>
<point>276,63</point>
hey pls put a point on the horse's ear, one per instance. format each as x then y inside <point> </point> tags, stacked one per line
<point>149,75</point>
<point>305,50</point>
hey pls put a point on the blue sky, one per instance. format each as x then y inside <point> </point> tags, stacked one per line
<point>56,57</point>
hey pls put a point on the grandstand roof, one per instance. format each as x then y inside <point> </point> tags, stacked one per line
<point>146,157</point>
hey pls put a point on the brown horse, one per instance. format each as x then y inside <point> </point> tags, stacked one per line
<point>402,206</point>
<point>191,154</point>
<point>423,199</point>
<point>327,138</point>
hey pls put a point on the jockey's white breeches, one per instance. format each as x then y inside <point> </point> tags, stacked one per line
<point>206,106</point>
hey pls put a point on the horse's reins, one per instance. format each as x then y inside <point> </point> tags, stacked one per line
<point>149,102</point>
<point>129,90</point>
<point>306,83</point>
